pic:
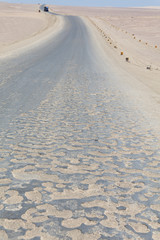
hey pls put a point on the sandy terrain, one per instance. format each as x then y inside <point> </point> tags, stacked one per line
<point>21,25</point>
<point>84,163</point>
<point>133,31</point>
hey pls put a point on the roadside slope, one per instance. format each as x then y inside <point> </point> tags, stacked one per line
<point>22,25</point>
<point>140,85</point>
<point>133,31</point>
<point>110,28</point>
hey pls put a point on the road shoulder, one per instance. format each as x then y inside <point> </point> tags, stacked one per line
<point>139,85</point>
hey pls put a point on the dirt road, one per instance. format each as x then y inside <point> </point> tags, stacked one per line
<point>77,158</point>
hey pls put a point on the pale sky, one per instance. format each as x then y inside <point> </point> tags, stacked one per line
<point>98,3</point>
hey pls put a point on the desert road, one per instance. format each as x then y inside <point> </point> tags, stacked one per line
<point>77,160</point>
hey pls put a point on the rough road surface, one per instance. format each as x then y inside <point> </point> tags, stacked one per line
<point>75,159</point>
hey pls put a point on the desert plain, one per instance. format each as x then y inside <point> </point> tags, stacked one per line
<point>133,31</point>
<point>79,143</point>
<point>127,33</point>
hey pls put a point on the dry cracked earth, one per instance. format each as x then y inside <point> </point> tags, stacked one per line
<point>80,166</point>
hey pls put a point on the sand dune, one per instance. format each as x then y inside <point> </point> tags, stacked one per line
<point>22,25</point>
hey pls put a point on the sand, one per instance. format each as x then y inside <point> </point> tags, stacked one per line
<point>22,25</point>
<point>133,31</point>
<point>101,202</point>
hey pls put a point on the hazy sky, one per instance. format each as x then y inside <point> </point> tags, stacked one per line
<point>114,3</point>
